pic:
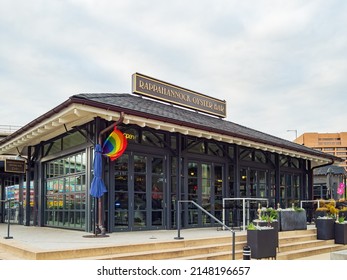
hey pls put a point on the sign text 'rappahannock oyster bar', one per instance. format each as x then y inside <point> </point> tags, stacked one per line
<point>154,88</point>
<point>159,144</point>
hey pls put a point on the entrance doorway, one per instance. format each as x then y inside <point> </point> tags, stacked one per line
<point>139,192</point>
<point>205,187</point>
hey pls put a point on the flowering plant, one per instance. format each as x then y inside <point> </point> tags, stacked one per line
<point>341,189</point>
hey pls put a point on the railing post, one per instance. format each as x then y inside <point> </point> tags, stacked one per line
<point>207,213</point>
<point>178,221</point>
<point>233,245</point>
<point>8,220</point>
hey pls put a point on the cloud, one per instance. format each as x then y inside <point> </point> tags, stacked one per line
<point>279,64</point>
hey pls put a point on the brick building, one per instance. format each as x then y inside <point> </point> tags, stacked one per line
<point>330,143</point>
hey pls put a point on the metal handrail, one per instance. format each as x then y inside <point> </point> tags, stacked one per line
<point>207,213</point>
<point>244,200</point>
<point>316,201</point>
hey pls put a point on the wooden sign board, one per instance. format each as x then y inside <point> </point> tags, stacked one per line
<point>14,166</point>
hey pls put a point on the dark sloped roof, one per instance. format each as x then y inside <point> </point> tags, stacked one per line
<point>333,169</point>
<point>140,106</point>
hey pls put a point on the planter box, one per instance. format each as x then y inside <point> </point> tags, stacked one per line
<point>262,243</point>
<point>273,224</point>
<point>340,233</point>
<point>292,220</point>
<point>325,229</point>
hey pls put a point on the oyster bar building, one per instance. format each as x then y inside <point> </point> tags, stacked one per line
<point>179,147</point>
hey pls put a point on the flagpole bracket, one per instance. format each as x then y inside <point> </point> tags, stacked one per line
<point>119,121</point>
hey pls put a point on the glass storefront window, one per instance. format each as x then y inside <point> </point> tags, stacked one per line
<point>151,139</point>
<point>139,164</point>
<point>289,189</point>
<point>284,161</point>
<point>243,182</point>
<point>272,189</point>
<point>295,163</point>
<point>231,180</point>
<point>206,186</point>
<point>140,183</point>
<point>73,140</point>
<point>65,192</point>
<point>231,151</point>
<point>296,187</point>
<point>132,135</point>
<point>218,191</point>
<point>214,150</point>
<point>192,181</point>
<point>246,155</point>
<point>121,199</point>
<point>253,183</point>
<point>259,157</point>
<point>196,146</point>
<point>64,143</point>
<point>262,184</point>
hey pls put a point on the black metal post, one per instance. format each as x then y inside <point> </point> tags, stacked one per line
<point>233,245</point>
<point>8,221</point>
<point>246,252</point>
<point>178,221</point>
<point>27,187</point>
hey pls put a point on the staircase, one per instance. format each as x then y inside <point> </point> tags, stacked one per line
<point>304,243</point>
<point>292,245</point>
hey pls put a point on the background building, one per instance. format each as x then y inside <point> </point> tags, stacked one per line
<point>327,180</point>
<point>330,143</point>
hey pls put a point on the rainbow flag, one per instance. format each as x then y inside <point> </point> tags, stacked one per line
<point>115,144</point>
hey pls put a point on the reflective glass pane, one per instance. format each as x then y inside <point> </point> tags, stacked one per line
<point>139,164</point>
<point>157,165</point>
<point>140,183</point>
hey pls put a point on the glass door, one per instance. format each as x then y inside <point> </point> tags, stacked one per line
<point>156,209</point>
<point>139,203</point>
<point>139,192</point>
<point>205,187</point>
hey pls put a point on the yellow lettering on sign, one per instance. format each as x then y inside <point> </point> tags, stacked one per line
<point>129,136</point>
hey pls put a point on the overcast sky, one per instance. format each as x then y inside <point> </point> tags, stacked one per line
<point>280,65</point>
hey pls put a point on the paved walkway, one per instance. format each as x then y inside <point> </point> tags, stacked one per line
<point>44,238</point>
<point>51,238</point>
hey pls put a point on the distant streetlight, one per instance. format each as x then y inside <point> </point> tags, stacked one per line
<point>296,132</point>
<point>330,186</point>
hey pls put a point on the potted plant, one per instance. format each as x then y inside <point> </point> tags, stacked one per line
<point>326,208</point>
<point>320,212</point>
<point>269,217</point>
<point>341,205</point>
<point>341,230</point>
<point>325,227</point>
<point>262,241</point>
<point>343,212</point>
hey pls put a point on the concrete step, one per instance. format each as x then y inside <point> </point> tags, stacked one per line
<point>188,252</point>
<point>299,244</point>
<point>302,253</point>
<point>297,239</point>
<point>293,233</point>
<point>8,256</point>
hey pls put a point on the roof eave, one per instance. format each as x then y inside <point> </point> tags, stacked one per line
<point>76,111</point>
